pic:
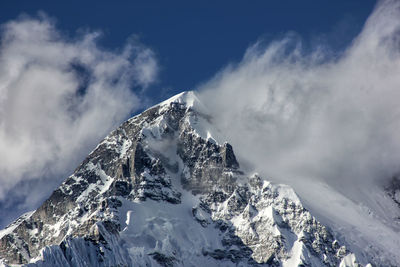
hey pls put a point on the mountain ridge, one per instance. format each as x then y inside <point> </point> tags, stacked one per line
<point>168,173</point>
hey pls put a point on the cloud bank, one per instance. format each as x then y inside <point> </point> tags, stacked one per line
<point>58,97</point>
<point>293,115</point>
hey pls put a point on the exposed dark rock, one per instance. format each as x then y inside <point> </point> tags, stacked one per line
<point>163,260</point>
<point>80,223</point>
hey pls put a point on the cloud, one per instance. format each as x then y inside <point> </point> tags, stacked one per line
<point>293,115</point>
<point>59,96</point>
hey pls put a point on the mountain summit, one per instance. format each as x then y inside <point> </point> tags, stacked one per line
<point>165,189</point>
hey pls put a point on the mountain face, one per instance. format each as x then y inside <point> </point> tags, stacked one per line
<point>162,191</point>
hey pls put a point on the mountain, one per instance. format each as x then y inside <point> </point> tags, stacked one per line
<point>164,189</point>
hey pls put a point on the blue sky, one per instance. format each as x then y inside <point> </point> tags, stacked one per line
<point>194,39</point>
<point>175,45</point>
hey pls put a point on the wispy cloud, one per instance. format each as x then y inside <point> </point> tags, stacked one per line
<point>293,115</point>
<point>58,97</point>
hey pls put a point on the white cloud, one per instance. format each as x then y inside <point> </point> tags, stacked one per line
<point>293,115</point>
<point>58,97</point>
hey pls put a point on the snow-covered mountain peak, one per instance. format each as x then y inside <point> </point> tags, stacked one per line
<point>166,189</point>
<point>187,99</point>
<point>197,118</point>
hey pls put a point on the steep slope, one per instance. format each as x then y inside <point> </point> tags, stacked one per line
<point>165,189</point>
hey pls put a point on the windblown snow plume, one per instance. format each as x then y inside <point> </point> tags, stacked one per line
<point>328,127</point>
<point>58,97</point>
<point>297,115</point>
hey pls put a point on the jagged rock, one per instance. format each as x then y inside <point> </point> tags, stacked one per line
<point>159,191</point>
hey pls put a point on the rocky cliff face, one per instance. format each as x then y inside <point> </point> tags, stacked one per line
<point>161,190</point>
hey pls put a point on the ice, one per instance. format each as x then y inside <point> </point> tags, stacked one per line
<point>152,226</point>
<point>362,225</point>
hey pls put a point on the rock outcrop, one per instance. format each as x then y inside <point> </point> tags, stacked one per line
<point>160,190</point>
